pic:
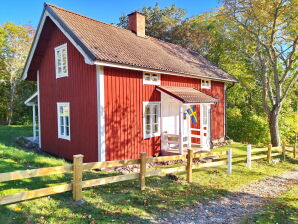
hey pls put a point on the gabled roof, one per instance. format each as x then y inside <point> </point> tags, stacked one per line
<point>187,95</point>
<point>104,43</point>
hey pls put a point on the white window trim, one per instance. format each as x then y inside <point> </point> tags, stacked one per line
<point>146,82</point>
<point>63,104</point>
<point>206,87</point>
<point>60,75</point>
<point>146,136</point>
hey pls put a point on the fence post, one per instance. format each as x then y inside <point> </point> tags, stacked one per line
<point>269,153</point>
<point>189,166</point>
<point>143,170</point>
<point>229,161</point>
<point>77,177</point>
<point>248,161</point>
<point>283,151</point>
<point>294,151</point>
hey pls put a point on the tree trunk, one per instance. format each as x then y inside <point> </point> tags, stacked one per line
<point>274,130</point>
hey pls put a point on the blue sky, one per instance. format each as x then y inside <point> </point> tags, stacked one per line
<point>27,12</point>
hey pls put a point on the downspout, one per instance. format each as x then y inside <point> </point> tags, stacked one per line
<point>226,89</point>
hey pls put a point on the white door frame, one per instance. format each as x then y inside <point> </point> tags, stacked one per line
<point>205,126</point>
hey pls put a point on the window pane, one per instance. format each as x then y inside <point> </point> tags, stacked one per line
<point>155,128</point>
<point>147,119</point>
<point>148,129</point>
<point>155,109</point>
<point>154,77</point>
<point>64,60</point>
<point>147,76</point>
<point>61,120</point>
<point>66,111</point>
<point>147,109</point>
<point>67,121</point>
<point>67,130</point>
<point>61,111</point>
<point>61,130</point>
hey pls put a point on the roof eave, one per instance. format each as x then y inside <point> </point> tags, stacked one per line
<point>160,71</point>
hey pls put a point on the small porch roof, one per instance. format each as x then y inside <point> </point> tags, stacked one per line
<point>187,95</point>
<point>32,100</point>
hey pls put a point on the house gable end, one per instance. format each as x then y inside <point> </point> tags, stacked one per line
<point>42,33</point>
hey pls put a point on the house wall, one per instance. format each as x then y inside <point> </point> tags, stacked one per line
<point>124,97</point>
<point>79,89</point>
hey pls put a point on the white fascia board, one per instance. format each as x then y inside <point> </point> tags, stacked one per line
<point>123,66</point>
<point>36,40</point>
<point>30,98</point>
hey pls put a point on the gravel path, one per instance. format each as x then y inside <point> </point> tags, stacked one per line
<point>235,206</point>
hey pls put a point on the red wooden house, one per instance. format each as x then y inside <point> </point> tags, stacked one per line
<point>110,93</point>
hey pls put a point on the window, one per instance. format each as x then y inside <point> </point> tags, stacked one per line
<point>151,124</point>
<point>151,78</point>
<point>61,61</point>
<point>63,120</point>
<point>205,84</point>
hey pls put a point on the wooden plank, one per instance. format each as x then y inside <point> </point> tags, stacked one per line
<point>143,170</point>
<point>291,151</point>
<point>229,161</point>
<point>275,154</point>
<point>200,155</point>
<point>77,177</point>
<point>109,180</point>
<point>97,165</point>
<point>212,164</point>
<point>166,158</point>
<point>248,155</point>
<point>264,150</point>
<point>163,171</point>
<point>21,174</point>
<point>269,153</point>
<point>259,157</point>
<point>11,198</point>
<point>189,166</point>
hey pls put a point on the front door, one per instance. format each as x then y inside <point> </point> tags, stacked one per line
<point>205,126</point>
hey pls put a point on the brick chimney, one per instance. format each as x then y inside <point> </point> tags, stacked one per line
<point>136,23</point>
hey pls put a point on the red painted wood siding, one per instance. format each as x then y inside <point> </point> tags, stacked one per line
<point>79,89</point>
<point>124,97</point>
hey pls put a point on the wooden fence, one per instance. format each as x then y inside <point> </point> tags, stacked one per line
<point>78,167</point>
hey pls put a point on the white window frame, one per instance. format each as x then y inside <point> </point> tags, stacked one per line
<point>151,103</point>
<point>151,82</point>
<point>62,74</point>
<point>205,86</point>
<point>59,105</point>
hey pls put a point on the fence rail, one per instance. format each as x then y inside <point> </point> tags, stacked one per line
<point>78,167</point>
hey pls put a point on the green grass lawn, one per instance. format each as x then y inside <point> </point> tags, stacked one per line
<point>118,202</point>
<point>282,210</point>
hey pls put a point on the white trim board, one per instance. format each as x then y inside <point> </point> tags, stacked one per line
<point>30,98</point>
<point>123,66</point>
<point>101,130</point>
<point>38,100</point>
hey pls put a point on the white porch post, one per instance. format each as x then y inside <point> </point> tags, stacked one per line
<point>181,130</point>
<point>189,132</point>
<point>34,122</point>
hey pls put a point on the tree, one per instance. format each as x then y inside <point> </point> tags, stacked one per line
<point>14,51</point>
<point>160,23</point>
<point>272,26</point>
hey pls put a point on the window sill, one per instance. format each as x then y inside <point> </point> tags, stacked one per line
<point>61,76</point>
<point>64,138</point>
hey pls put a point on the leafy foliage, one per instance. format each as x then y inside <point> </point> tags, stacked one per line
<point>15,41</point>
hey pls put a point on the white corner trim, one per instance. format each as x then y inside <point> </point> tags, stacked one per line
<point>38,103</point>
<point>101,130</point>
<point>36,40</point>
